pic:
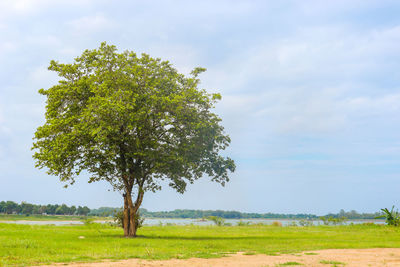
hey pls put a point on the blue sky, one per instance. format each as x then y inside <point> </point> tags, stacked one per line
<point>311,96</point>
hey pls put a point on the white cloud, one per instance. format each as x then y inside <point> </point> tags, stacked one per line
<point>20,6</point>
<point>8,46</point>
<point>311,54</point>
<point>321,8</point>
<point>92,23</point>
<point>4,130</point>
<point>42,77</point>
<point>183,57</point>
<point>373,105</point>
<point>44,40</point>
<point>297,110</point>
<point>294,110</point>
<point>314,81</point>
<point>10,8</point>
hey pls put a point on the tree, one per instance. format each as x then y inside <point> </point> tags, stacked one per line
<point>2,207</point>
<point>51,209</point>
<point>84,211</point>
<point>72,210</point>
<point>62,210</point>
<point>26,208</point>
<point>79,210</point>
<point>392,216</point>
<point>132,121</point>
<point>10,207</point>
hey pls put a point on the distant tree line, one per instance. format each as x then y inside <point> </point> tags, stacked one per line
<point>354,215</point>
<point>223,214</point>
<point>103,211</point>
<point>198,214</point>
<point>10,207</point>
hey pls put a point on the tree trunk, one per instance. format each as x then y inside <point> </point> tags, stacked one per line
<point>130,213</point>
<point>126,221</point>
<point>132,221</point>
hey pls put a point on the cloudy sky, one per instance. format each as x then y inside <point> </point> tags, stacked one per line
<point>311,96</point>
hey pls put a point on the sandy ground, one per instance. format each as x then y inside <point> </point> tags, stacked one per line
<point>326,258</point>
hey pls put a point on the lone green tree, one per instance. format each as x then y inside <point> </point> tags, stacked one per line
<point>132,121</point>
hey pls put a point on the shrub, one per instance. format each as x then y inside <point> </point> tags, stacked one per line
<point>243,223</point>
<point>275,223</point>
<point>88,221</point>
<point>333,221</point>
<point>217,220</point>
<point>305,222</point>
<point>369,224</point>
<point>392,216</point>
<point>119,219</point>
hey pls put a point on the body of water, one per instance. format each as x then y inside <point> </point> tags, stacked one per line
<point>284,222</point>
<point>168,221</point>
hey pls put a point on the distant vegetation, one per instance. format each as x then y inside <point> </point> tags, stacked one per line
<point>353,215</point>
<point>197,214</point>
<point>333,220</point>
<point>392,217</point>
<point>10,207</point>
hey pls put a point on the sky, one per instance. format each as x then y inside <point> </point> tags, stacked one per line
<point>310,96</point>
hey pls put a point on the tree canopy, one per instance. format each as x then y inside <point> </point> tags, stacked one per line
<point>132,121</point>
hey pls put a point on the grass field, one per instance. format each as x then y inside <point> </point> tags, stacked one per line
<point>33,244</point>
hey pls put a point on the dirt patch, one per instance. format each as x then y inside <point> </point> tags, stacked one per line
<point>327,258</point>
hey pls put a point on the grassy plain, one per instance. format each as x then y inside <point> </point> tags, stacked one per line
<point>42,244</point>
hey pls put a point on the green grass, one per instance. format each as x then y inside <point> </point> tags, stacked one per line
<point>14,217</point>
<point>335,263</point>
<point>289,263</point>
<point>250,253</point>
<point>34,244</point>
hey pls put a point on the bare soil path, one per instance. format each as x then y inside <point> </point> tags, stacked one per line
<point>327,258</point>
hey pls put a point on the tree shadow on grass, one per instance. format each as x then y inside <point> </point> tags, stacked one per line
<point>209,237</point>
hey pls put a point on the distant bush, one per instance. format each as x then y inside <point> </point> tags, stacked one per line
<point>305,223</point>
<point>392,217</point>
<point>275,223</point>
<point>243,223</point>
<point>369,224</point>
<point>88,221</point>
<point>333,221</point>
<point>217,220</point>
<point>119,218</point>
